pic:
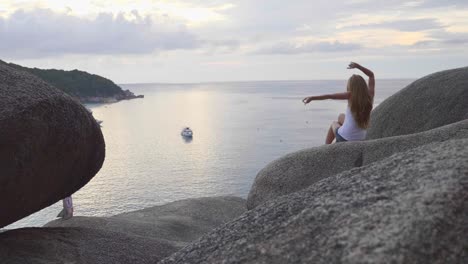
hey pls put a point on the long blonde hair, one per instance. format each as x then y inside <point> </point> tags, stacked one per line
<point>360,101</point>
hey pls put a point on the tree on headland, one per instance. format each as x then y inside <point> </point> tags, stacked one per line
<point>76,83</point>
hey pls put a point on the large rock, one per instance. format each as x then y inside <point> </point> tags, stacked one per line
<point>433,101</point>
<point>78,245</point>
<point>179,222</point>
<point>144,236</point>
<point>299,170</point>
<point>50,146</point>
<point>409,208</point>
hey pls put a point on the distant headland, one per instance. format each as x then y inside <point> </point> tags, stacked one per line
<point>86,87</point>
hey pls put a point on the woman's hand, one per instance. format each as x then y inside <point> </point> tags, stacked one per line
<point>307,100</point>
<point>369,73</point>
<point>353,65</point>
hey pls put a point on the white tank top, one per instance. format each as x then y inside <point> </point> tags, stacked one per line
<point>350,130</point>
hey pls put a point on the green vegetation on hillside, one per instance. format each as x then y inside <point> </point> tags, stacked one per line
<point>76,83</point>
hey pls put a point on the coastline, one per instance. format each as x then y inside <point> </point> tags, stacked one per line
<point>126,95</point>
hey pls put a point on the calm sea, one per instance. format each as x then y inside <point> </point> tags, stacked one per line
<point>238,129</point>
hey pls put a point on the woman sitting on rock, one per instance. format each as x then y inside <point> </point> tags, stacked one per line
<point>351,126</point>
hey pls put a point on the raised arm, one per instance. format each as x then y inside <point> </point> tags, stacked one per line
<point>369,74</point>
<point>335,96</point>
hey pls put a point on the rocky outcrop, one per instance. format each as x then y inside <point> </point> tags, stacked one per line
<point>50,146</point>
<point>86,87</point>
<point>410,118</point>
<point>78,245</point>
<point>179,222</point>
<point>409,208</point>
<point>301,169</point>
<point>433,101</point>
<point>144,236</point>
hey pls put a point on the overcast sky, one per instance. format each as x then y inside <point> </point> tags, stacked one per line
<point>132,41</point>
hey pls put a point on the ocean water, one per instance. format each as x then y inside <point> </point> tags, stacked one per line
<point>238,129</point>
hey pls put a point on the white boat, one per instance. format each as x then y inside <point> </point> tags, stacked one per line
<point>186,132</point>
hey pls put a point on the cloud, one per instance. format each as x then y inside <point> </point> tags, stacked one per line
<point>308,47</point>
<point>113,43</point>
<point>444,40</point>
<point>407,25</point>
<point>220,46</point>
<point>404,4</point>
<point>457,41</point>
<point>445,3</point>
<point>43,33</point>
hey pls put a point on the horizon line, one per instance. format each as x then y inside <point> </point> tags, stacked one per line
<point>247,81</point>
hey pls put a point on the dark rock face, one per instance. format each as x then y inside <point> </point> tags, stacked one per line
<point>409,208</point>
<point>433,101</point>
<point>144,236</point>
<point>299,170</point>
<point>50,146</point>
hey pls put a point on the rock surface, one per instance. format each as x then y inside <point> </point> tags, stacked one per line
<point>179,222</point>
<point>50,145</point>
<point>78,245</point>
<point>144,236</point>
<point>299,170</point>
<point>433,101</point>
<point>409,208</point>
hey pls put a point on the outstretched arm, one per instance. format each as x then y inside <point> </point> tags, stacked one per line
<point>336,96</point>
<point>369,74</point>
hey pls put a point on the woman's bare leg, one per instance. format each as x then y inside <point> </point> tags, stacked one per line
<point>330,136</point>
<point>331,131</point>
